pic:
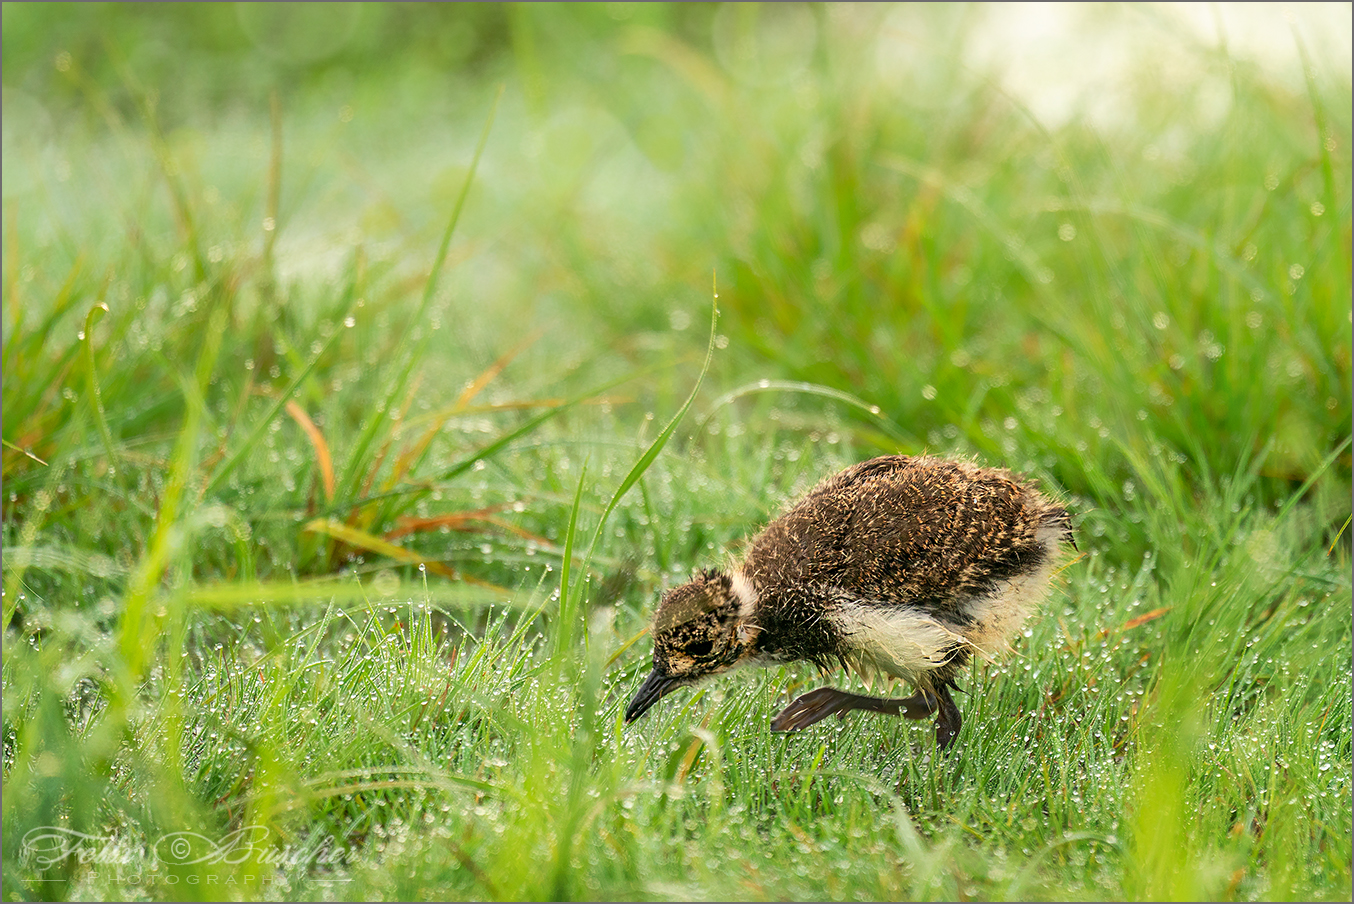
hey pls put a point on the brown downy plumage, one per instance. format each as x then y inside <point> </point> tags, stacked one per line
<point>898,566</point>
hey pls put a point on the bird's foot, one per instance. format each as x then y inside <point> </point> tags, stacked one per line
<point>948,719</point>
<point>818,704</point>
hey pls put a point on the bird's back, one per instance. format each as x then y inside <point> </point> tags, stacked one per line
<point>919,532</point>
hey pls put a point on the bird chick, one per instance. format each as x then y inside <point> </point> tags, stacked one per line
<point>899,566</point>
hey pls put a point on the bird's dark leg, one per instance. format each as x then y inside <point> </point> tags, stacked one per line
<point>948,719</point>
<point>818,704</point>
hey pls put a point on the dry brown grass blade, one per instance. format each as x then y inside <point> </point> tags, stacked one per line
<point>375,468</point>
<point>475,387</point>
<point>409,524</point>
<point>360,539</point>
<point>21,451</point>
<point>625,646</point>
<point>461,521</point>
<point>1145,618</point>
<point>1069,563</point>
<point>549,402</point>
<point>689,758</point>
<point>322,459</point>
<point>363,540</point>
<point>493,370</point>
<point>397,471</point>
<point>513,529</point>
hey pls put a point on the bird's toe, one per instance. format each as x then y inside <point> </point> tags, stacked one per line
<point>812,707</point>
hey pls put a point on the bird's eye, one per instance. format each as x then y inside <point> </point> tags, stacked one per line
<point>700,648</point>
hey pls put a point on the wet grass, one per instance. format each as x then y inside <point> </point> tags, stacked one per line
<point>347,450</point>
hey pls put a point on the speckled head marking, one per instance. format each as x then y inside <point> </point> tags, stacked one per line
<point>700,630</point>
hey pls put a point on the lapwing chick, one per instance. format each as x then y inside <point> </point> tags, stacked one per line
<point>902,567</point>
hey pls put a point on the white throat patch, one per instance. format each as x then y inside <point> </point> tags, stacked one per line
<point>744,592</point>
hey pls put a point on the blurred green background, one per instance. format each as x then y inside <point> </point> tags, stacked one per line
<point>333,334</point>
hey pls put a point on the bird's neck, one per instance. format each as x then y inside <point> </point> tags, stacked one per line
<point>790,622</point>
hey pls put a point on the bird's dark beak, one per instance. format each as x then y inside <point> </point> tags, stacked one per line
<point>655,686</point>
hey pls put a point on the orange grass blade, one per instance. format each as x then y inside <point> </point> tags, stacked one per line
<point>317,442</point>
<point>460,521</point>
<point>397,470</point>
<point>493,370</point>
<point>543,542</point>
<point>415,452</point>
<point>1145,618</point>
<point>408,524</point>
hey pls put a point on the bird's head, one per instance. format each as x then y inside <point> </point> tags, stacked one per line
<point>702,628</point>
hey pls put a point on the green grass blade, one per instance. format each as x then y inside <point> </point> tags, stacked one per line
<point>650,454</point>
<point>876,415</point>
<point>564,631</point>
<point>483,452</point>
<point>435,274</point>
<point>96,314</point>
